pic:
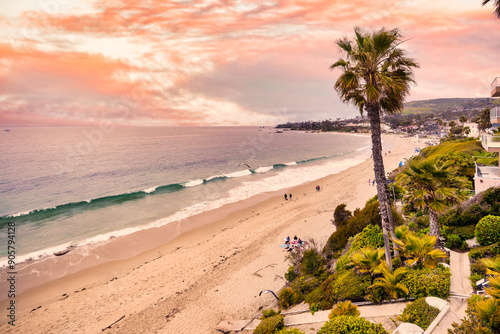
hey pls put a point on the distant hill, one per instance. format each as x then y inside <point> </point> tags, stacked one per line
<point>452,104</point>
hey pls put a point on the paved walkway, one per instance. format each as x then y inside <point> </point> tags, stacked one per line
<point>459,285</point>
<point>367,311</point>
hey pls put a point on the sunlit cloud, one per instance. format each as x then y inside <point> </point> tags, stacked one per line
<point>232,62</point>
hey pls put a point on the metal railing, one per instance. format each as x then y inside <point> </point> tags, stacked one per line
<point>495,83</point>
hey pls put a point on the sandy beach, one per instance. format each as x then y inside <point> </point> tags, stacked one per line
<point>196,274</point>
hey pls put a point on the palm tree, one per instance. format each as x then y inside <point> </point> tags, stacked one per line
<point>376,77</point>
<point>463,119</point>
<point>420,251</point>
<point>366,260</point>
<point>390,281</point>
<point>496,3</point>
<point>431,188</point>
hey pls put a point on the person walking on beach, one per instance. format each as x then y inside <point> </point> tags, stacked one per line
<point>290,196</point>
<point>317,188</point>
<point>373,182</point>
<point>286,199</point>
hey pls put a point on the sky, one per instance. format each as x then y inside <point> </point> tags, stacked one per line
<point>226,62</point>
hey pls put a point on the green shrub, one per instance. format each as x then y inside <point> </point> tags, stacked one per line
<point>453,241</point>
<point>312,263</point>
<point>290,331</point>
<point>305,285</point>
<point>361,218</point>
<point>344,308</point>
<point>478,267</point>
<point>341,215</point>
<point>377,294</point>
<point>270,325</point>
<point>463,164</point>
<point>269,313</point>
<point>314,297</point>
<point>289,297</point>
<point>371,236</point>
<point>484,251</point>
<point>465,232</point>
<point>291,275</point>
<point>345,324</point>
<point>419,313</point>
<point>491,196</point>
<point>428,282</point>
<point>420,223</point>
<point>488,230</point>
<point>345,285</point>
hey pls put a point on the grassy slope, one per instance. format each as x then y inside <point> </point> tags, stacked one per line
<point>468,147</point>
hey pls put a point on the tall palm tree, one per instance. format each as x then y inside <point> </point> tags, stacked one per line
<point>496,3</point>
<point>376,76</point>
<point>432,188</point>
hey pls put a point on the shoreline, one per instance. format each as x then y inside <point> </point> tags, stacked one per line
<point>172,283</point>
<point>32,270</point>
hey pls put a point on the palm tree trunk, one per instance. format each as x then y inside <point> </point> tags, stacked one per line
<point>374,115</point>
<point>434,228</point>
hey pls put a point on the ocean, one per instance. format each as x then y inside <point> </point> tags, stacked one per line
<point>67,186</point>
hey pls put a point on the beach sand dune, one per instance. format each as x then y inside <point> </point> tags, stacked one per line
<point>205,275</point>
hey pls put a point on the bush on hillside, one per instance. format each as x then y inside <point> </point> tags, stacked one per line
<point>428,282</point>
<point>485,251</point>
<point>454,241</point>
<point>312,263</point>
<point>270,325</point>
<point>289,297</point>
<point>467,147</point>
<point>345,285</point>
<point>361,218</point>
<point>344,308</point>
<point>483,204</point>
<point>269,313</point>
<point>463,164</point>
<point>290,331</point>
<point>488,230</point>
<point>341,215</point>
<point>345,324</point>
<point>371,236</point>
<point>419,313</point>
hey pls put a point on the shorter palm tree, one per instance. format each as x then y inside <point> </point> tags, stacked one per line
<point>493,266</point>
<point>367,260</point>
<point>488,312</point>
<point>432,188</point>
<point>420,251</point>
<point>390,282</point>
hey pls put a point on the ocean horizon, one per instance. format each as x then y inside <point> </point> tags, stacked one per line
<point>78,187</point>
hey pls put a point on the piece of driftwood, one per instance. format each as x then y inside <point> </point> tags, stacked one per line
<point>109,327</point>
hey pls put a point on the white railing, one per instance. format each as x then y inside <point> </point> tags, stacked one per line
<point>494,114</point>
<point>490,141</point>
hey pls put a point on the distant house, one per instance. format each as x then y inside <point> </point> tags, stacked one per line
<point>489,176</point>
<point>474,130</point>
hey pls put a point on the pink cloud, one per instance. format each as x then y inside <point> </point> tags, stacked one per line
<point>257,58</point>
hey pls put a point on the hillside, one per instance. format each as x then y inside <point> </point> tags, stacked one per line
<point>452,104</point>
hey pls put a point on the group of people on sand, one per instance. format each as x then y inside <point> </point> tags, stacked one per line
<point>295,244</point>
<point>288,196</point>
